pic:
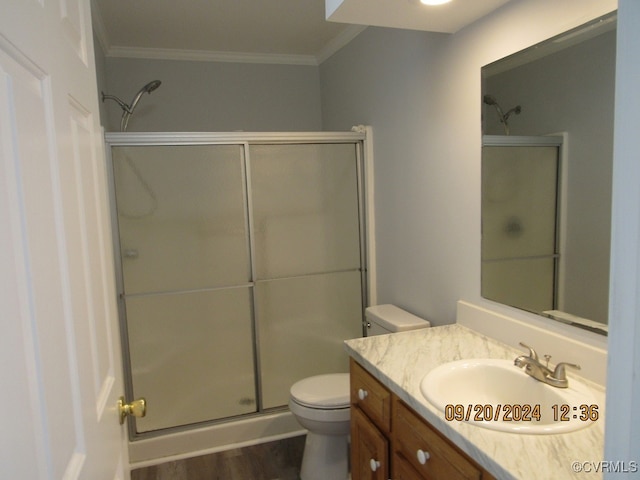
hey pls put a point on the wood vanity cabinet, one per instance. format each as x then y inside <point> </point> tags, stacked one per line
<point>390,440</point>
<point>370,426</point>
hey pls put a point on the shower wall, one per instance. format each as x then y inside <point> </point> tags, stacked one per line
<point>215,96</point>
<point>241,271</point>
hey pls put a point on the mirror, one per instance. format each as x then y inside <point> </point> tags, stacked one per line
<point>547,123</point>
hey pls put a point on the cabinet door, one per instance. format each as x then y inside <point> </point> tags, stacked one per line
<point>402,470</point>
<point>369,449</point>
<point>426,450</point>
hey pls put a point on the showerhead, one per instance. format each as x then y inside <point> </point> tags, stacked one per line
<point>127,110</point>
<point>148,88</point>
<point>502,117</point>
<point>151,86</point>
<point>516,110</point>
<point>489,100</point>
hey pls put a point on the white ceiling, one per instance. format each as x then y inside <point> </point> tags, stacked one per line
<point>411,14</point>
<point>272,31</point>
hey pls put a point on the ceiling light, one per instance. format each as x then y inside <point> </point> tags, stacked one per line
<point>434,2</point>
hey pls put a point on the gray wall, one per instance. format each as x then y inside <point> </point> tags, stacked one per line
<point>622,425</point>
<point>215,96</point>
<point>383,79</point>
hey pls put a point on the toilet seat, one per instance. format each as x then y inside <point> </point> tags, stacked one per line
<point>323,392</point>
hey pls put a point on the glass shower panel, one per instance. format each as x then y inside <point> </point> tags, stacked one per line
<point>181,217</point>
<point>525,283</point>
<point>519,201</point>
<point>305,209</point>
<point>192,356</point>
<point>519,225</point>
<point>303,324</point>
<point>307,261</point>
<point>183,233</point>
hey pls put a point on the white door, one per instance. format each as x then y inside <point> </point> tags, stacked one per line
<point>59,352</point>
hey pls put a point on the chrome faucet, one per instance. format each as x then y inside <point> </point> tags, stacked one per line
<point>533,367</point>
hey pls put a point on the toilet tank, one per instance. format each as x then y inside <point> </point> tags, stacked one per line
<point>388,318</point>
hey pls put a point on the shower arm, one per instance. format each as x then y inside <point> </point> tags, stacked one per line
<point>127,111</point>
<point>123,105</point>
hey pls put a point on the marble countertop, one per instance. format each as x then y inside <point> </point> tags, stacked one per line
<point>400,360</point>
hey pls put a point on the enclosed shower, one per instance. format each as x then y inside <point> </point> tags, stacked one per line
<point>241,269</point>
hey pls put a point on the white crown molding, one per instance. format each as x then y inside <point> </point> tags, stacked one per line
<point>338,42</point>
<point>210,56</point>
<point>326,52</point>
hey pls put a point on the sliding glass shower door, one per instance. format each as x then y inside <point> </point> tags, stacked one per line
<point>241,272</point>
<point>519,225</point>
<point>307,261</point>
<point>186,280</point>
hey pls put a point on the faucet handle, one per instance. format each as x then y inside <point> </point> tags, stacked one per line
<point>532,352</point>
<point>559,372</point>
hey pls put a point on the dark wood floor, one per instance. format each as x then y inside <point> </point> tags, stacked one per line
<point>278,460</point>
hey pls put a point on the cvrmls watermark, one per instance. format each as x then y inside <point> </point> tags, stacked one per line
<point>606,466</point>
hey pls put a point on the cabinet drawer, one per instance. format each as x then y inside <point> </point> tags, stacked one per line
<point>370,396</point>
<point>412,434</point>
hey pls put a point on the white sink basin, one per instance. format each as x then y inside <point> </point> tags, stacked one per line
<point>496,394</point>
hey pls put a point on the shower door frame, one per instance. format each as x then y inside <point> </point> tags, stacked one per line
<point>364,171</point>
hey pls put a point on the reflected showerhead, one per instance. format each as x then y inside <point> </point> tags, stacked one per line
<point>502,117</point>
<point>489,100</point>
<point>516,110</point>
<point>128,109</point>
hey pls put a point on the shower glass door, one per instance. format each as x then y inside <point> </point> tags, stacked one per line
<point>307,261</point>
<point>241,272</point>
<point>186,281</point>
<point>519,225</point>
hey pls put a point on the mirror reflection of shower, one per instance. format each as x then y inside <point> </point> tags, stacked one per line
<point>502,117</point>
<point>127,110</point>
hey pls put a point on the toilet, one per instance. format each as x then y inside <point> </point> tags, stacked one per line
<point>321,403</point>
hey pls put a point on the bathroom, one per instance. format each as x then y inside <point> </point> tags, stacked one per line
<point>374,80</point>
<point>427,154</point>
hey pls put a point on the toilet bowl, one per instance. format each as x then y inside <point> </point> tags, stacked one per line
<point>321,404</point>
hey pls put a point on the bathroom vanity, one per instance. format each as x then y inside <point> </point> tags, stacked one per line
<point>389,437</point>
<point>396,433</point>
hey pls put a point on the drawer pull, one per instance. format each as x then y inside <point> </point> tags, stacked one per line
<point>422,456</point>
<point>374,464</point>
<point>362,394</point>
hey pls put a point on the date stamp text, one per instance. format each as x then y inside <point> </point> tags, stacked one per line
<point>525,412</point>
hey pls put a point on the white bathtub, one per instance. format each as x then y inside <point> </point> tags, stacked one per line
<point>213,438</point>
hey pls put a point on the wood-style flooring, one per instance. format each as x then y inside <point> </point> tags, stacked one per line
<point>279,460</point>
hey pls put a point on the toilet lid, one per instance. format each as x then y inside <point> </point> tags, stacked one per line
<point>322,391</point>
